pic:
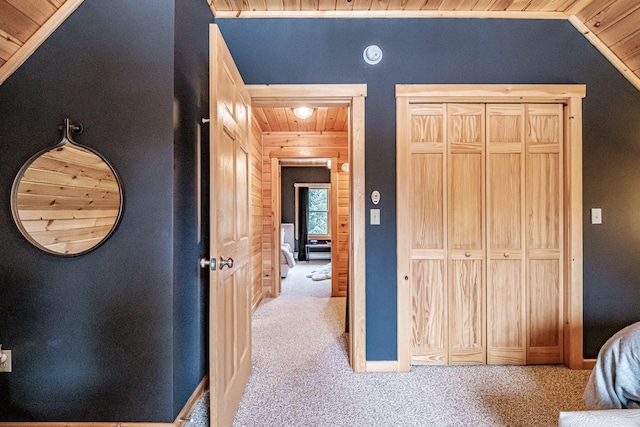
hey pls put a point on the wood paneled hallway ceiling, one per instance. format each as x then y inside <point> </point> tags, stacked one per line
<point>613,26</point>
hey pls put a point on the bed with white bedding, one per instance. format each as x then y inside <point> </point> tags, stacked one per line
<point>287,245</point>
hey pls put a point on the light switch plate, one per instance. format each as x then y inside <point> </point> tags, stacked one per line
<point>375,217</point>
<point>6,365</point>
<point>596,215</point>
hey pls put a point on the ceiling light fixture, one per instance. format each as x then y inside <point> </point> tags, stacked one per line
<point>303,113</point>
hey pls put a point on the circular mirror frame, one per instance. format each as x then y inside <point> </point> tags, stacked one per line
<point>67,140</point>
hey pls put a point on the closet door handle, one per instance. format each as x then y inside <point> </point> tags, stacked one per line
<point>506,254</point>
<point>467,254</point>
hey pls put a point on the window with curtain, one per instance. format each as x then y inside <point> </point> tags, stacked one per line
<point>318,210</point>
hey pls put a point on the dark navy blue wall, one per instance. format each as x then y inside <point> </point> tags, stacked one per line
<point>291,176</point>
<point>191,221</point>
<point>101,336</point>
<point>469,51</point>
<point>118,334</point>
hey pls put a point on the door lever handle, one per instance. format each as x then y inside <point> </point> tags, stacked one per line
<point>228,263</point>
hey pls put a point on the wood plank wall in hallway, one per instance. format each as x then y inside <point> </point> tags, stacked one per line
<point>255,211</point>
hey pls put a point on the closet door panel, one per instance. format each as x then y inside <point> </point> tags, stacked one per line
<point>466,319</point>
<point>466,227</point>
<point>427,125</point>
<point>465,128</point>
<point>545,315</point>
<point>427,171</point>
<point>505,201</point>
<point>465,201</point>
<point>428,280</point>
<point>428,303</point>
<point>544,200</point>
<point>506,307</point>
<point>427,235</point>
<point>544,233</point>
<point>506,342</point>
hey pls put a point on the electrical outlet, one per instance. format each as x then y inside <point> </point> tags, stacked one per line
<point>6,365</point>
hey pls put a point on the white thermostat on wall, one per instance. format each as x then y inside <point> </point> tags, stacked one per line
<point>375,197</point>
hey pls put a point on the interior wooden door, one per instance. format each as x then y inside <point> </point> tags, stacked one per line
<point>230,293</point>
<point>422,225</point>
<point>544,245</point>
<point>506,292</point>
<point>466,233</point>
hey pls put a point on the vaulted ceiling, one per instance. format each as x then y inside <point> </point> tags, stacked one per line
<point>613,26</point>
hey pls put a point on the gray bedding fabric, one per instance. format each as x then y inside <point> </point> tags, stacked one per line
<point>615,380</point>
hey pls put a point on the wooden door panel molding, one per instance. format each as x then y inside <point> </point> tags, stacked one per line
<point>551,131</point>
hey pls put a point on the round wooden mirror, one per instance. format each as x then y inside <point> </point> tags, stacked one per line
<point>67,200</point>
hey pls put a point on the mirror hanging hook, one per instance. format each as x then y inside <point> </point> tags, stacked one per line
<point>69,127</point>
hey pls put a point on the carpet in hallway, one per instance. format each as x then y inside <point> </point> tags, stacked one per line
<point>301,377</point>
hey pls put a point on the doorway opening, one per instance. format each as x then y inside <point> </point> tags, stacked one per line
<point>349,98</point>
<point>306,224</point>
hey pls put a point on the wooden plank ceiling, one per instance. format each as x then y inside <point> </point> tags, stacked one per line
<point>613,26</point>
<point>24,25</point>
<point>282,119</point>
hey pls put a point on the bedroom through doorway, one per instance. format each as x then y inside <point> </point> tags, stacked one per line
<point>306,220</point>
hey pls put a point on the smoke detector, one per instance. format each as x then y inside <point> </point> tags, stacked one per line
<point>372,54</point>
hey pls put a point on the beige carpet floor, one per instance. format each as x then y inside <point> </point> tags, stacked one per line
<point>301,377</point>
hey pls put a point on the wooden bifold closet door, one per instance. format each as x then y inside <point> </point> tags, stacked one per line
<point>485,232</point>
